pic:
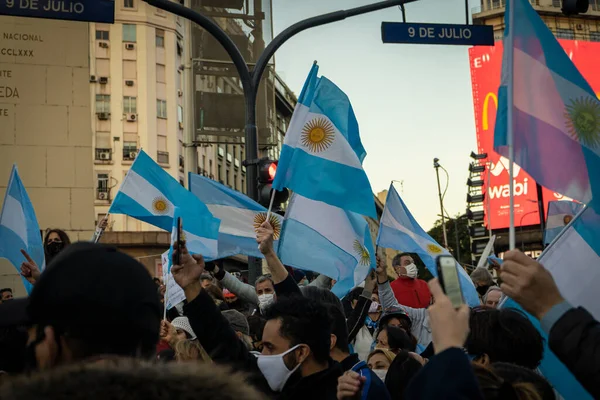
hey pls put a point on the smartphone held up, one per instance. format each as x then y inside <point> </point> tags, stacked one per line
<point>447,271</point>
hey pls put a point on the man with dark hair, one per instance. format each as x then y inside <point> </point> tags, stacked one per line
<point>408,289</point>
<point>92,301</point>
<point>504,335</point>
<point>6,294</point>
<point>295,342</point>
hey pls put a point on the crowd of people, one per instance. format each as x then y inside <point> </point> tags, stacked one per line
<point>93,327</point>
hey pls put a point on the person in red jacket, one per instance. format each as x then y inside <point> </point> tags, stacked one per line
<point>408,289</point>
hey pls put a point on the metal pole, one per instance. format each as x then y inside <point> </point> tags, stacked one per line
<point>467,12</point>
<point>456,220</point>
<point>540,196</point>
<point>251,79</point>
<point>190,161</point>
<point>437,172</point>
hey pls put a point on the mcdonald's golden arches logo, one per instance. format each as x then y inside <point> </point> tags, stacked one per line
<point>486,105</point>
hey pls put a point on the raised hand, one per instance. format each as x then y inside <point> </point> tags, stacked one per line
<point>264,238</point>
<point>382,276</point>
<point>188,273</point>
<point>29,269</point>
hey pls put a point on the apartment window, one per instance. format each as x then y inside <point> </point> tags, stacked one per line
<point>160,38</point>
<point>102,186</point>
<point>595,36</point>
<point>235,182</point>
<point>179,48</point>
<point>103,103</point>
<point>102,35</point>
<point>129,151</point>
<point>162,157</point>
<point>227,178</point>
<point>565,34</point>
<point>204,163</point>
<point>219,177</point>
<point>161,108</point>
<point>243,186</point>
<point>210,169</point>
<point>128,3</point>
<point>129,33</point>
<point>130,105</point>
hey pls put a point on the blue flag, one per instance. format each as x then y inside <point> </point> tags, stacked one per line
<point>326,239</point>
<point>555,113</point>
<point>560,213</point>
<point>398,230</point>
<point>240,216</point>
<point>322,154</point>
<point>150,194</point>
<point>19,228</point>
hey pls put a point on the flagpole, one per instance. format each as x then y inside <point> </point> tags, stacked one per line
<point>273,191</point>
<point>509,46</point>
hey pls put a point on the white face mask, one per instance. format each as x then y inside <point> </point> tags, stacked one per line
<point>374,307</point>
<point>264,300</point>
<point>412,271</point>
<point>274,370</point>
<point>381,373</point>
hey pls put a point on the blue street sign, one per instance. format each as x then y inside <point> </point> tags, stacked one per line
<point>465,35</point>
<point>72,10</point>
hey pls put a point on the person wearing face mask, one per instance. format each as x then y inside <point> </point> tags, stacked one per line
<point>483,280</point>
<point>409,290</point>
<point>56,240</point>
<point>294,362</point>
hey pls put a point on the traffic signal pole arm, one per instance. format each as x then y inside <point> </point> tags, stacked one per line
<point>250,79</point>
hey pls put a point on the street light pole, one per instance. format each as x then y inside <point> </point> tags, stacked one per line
<point>250,79</point>
<point>436,165</point>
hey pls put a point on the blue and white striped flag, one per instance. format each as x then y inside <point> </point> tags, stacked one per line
<point>560,213</point>
<point>398,230</point>
<point>322,154</point>
<point>326,239</point>
<point>240,216</point>
<point>19,228</point>
<point>150,194</point>
<point>555,113</point>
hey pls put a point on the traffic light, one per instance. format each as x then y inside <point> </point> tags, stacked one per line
<point>266,174</point>
<point>474,183</point>
<point>476,168</point>
<point>475,215</point>
<point>477,231</point>
<point>475,198</point>
<point>574,7</point>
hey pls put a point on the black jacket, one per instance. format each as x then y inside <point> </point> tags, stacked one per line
<point>447,375</point>
<point>221,343</point>
<point>575,340</point>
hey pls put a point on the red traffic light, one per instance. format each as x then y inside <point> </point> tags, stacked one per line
<point>272,170</point>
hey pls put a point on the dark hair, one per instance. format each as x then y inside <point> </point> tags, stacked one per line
<point>400,373</point>
<point>256,324</point>
<point>398,339</point>
<point>322,296</point>
<point>303,321</point>
<point>206,277</point>
<point>505,335</point>
<point>134,380</point>
<point>494,387</point>
<point>5,290</point>
<point>339,328</point>
<point>63,237</point>
<point>516,374</point>
<point>13,341</point>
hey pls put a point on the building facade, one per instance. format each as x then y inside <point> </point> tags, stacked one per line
<point>580,27</point>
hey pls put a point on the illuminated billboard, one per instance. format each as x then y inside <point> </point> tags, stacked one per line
<point>486,65</point>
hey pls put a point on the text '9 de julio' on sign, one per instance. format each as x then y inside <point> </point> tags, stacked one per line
<point>71,10</point>
<point>440,34</point>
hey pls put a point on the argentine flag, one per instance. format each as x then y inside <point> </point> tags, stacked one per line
<point>560,213</point>
<point>398,230</point>
<point>19,228</point>
<point>572,259</point>
<point>240,216</point>
<point>326,239</point>
<point>322,154</point>
<point>555,113</point>
<point>150,194</point>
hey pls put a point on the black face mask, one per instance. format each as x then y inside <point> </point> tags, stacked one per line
<point>55,247</point>
<point>482,290</point>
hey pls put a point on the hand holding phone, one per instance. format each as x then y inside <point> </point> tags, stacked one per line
<point>447,270</point>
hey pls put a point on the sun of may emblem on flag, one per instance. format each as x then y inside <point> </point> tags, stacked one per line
<point>273,220</point>
<point>364,258</point>
<point>318,134</point>
<point>583,120</point>
<point>160,205</point>
<point>433,249</point>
